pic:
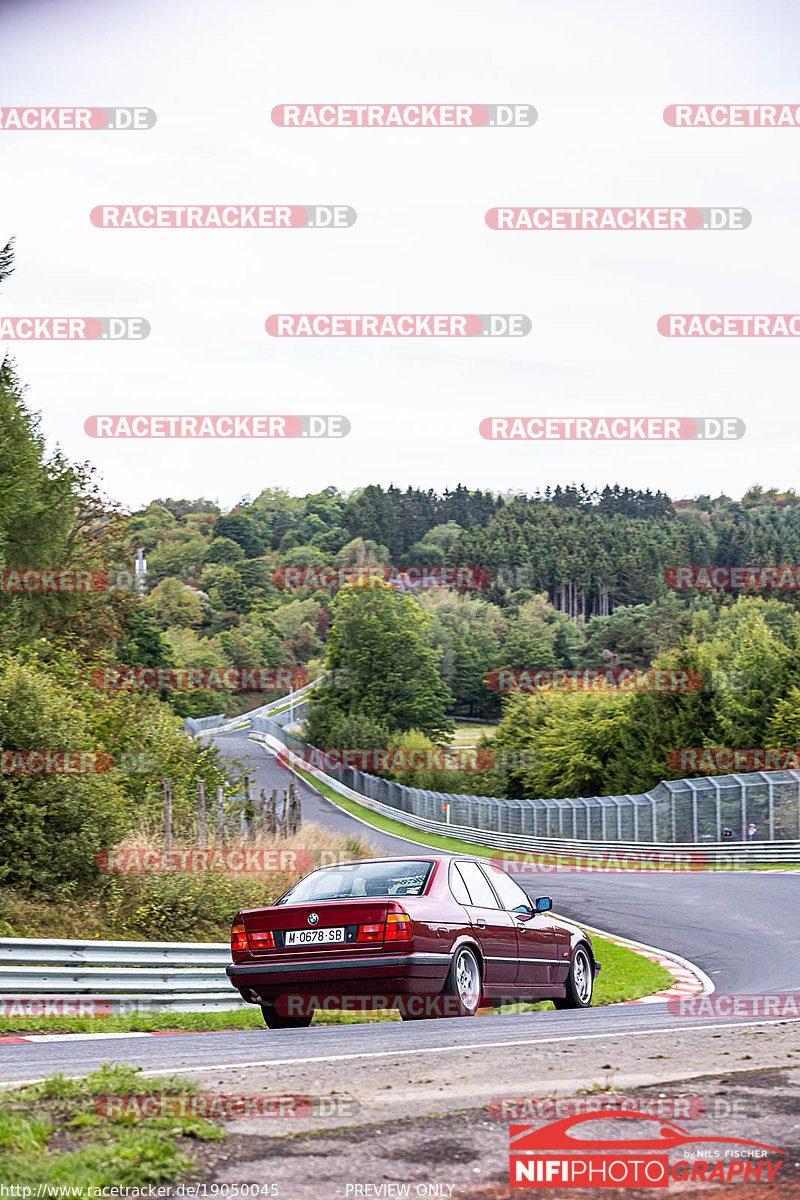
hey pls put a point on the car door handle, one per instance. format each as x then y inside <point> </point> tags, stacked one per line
<point>480,923</point>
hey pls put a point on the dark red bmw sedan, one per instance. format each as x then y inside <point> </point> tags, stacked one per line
<point>433,935</point>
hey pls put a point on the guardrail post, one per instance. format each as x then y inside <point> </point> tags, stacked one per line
<point>693,789</point>
<point>201,812</point>
<point>716,786</point>
<point>795,774</point>
<point>167,784</point>
<point>771,810</point>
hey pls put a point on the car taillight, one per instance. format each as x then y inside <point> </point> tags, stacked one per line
<point>370,933</point>
<point>398,925</point>
<point>239,938</point>
<point>261,939</point>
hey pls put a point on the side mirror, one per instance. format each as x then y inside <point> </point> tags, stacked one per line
<point>544,904</point>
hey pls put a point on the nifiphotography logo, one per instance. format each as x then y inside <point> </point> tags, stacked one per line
<point>552,1156</point>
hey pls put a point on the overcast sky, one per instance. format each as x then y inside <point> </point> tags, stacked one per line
<point>599,76</point>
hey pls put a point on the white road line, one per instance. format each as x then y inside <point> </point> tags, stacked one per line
<point>85,1037</point>
<point>178,1069</point>
<point>537,1041</point>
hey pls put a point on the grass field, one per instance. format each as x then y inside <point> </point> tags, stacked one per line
<point>55,1133</point>
<point>465,736</point>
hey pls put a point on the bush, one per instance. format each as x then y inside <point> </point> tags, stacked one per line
<point>53,824</point>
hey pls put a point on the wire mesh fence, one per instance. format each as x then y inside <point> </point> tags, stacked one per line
<point>238,813</point>
<point>759,806</point>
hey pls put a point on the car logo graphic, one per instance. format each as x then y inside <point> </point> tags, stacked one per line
<point>557,1135</point>
<point>313,918</point>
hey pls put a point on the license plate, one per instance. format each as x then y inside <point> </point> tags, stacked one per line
<point>313,937</point>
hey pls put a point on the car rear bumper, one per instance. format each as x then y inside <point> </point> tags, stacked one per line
<point>404,974</point>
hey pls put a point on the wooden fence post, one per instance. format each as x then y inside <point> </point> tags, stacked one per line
<point>285,821</point>
<point>245,810</point>
<point>220,816</point>
<point>294,805</point>
<point>273,812</point>
<point>201,812</point>
<point>167,783</point>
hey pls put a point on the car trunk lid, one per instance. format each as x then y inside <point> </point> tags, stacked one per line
<point>327,926</point>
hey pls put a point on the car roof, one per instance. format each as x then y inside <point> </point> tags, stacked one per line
<point>437,857</point>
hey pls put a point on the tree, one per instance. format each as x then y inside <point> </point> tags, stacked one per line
<point>633,635</point>
<point>423,554</point>
<point>242,529</point>
<point>172,603</point>
<point>361,553</point>
<point>144,645</point>
<point>379,645</point>
<point>530,641</point>
<point>180,558</point>
<point>445,535</point>
<point>226,589</point>
<point>225,551</point>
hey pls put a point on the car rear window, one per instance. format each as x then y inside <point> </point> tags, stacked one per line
<point>352,881</point>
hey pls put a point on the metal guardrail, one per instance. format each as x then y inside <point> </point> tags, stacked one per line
<point>120,976</point>
<point>195,725</point>
<point>222,724</point>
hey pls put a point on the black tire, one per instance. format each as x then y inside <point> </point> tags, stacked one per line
<point>580,981</point>
<point>275,1020</point>
<point>463,983</point>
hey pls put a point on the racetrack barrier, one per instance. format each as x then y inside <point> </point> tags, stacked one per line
<point>222,724</point>
<point>688,815</point>
<point>116,977</point>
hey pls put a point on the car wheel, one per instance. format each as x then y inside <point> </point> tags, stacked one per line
<point>580,981</point>
<point>463,983</point>
<point>276,1020</point>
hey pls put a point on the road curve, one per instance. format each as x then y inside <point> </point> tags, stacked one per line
<point>264,769</point>
<point>741,928</point>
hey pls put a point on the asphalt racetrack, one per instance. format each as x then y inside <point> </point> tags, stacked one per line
<point>740,927</point>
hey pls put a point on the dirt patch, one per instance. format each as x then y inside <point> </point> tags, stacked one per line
<point>464,1155</point>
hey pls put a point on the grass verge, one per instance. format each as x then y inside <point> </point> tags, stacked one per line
<point>55,1133</point>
